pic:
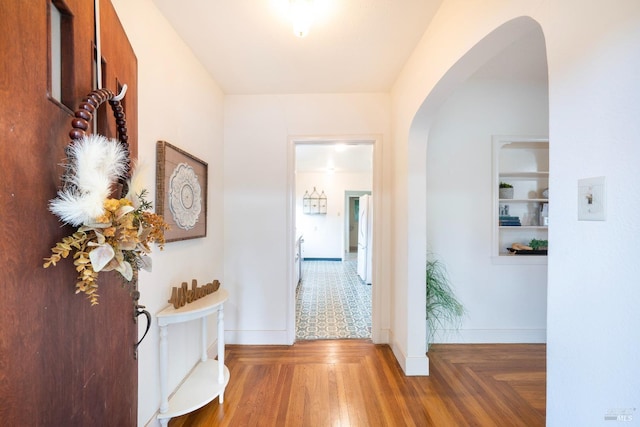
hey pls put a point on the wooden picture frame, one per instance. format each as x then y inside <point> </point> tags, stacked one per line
<point>181,192</point>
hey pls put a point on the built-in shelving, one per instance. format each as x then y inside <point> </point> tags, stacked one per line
<point>523,162</point>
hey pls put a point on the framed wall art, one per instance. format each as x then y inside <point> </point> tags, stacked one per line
<point>181,192</point>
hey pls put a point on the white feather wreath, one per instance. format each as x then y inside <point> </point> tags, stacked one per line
<point>95,163</point>
<point>136,183</point>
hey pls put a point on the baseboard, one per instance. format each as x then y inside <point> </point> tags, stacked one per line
<point>411,366</point>
<point>491,336</point>
<point>256,337</point>
<point>417,366</point>
<point>322,259</point>
<point>382,337</point>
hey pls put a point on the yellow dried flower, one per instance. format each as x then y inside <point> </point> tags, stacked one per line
<point>104,218</point>
<point>111,205</point>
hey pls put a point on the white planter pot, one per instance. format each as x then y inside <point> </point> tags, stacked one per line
<point>506,193</point>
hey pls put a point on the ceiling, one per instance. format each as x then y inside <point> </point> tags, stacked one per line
<point>249,47</point>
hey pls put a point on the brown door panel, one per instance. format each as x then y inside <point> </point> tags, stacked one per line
<point>62,362</point>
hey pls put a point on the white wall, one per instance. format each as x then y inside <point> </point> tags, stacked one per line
<point>594,295</point>
<point>259,209</point>
<point>504,303</point>
<point>324,234</point>
<point>179,103</point>
<point>593,328</point>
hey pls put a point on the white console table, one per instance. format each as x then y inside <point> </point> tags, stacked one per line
<point>210,377</point>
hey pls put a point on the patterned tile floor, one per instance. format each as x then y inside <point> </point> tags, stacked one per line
<point>332,301</point>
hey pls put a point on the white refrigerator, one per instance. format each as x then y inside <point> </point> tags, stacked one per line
<point>365,227</point>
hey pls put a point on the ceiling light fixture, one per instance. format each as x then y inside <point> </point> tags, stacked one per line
<point>301,16</point>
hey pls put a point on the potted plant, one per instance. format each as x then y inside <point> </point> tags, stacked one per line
<point>505,190</point>
<point>443,308</point>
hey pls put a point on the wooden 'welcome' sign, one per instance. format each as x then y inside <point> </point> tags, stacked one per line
<point>183,295</point>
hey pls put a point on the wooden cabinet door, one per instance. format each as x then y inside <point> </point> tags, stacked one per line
<point>62,362</point>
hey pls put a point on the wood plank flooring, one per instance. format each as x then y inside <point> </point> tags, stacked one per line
<point>356,383</point>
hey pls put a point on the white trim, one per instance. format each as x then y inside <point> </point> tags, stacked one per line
<point>492,336</point>
<point>417,366</point>
<point>262,337</point>
<point>290,242</point>
<point>411,366</point>
<point>377,284</point>
<point>383,336</point>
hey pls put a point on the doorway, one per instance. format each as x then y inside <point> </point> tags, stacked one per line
<point>509,90</point>
<point>351,219</point>
<point>331,300</point>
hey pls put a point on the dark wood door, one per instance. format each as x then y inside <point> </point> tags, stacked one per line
<point>62,362</point>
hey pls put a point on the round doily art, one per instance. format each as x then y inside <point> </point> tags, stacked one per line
<point>185,199</point>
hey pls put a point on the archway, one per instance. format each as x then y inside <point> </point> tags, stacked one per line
<point>419,134</point>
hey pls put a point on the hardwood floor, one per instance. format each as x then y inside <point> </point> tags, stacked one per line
<point>356,383</point>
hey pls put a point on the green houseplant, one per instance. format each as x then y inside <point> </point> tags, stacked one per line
<point>505,190</point>
<point>443,308</point>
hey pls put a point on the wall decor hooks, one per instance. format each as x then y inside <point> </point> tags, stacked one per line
<point>314,203</point>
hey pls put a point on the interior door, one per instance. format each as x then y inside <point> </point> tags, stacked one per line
<point>62,362</point>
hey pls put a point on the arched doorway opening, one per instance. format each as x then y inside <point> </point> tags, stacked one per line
<point>423,129</point>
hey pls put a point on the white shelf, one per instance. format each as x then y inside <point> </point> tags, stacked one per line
<point>209,377</point>
<point>198,389</point>
<point>195,310</point>
<point>516,142</point>
<point>520,227</point>
<point>523,200</point>
<point>524,175</point>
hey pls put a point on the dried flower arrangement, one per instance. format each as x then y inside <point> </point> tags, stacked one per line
<point>113,234</point>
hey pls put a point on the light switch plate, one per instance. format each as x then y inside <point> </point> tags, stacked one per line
<point>591,199</point>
